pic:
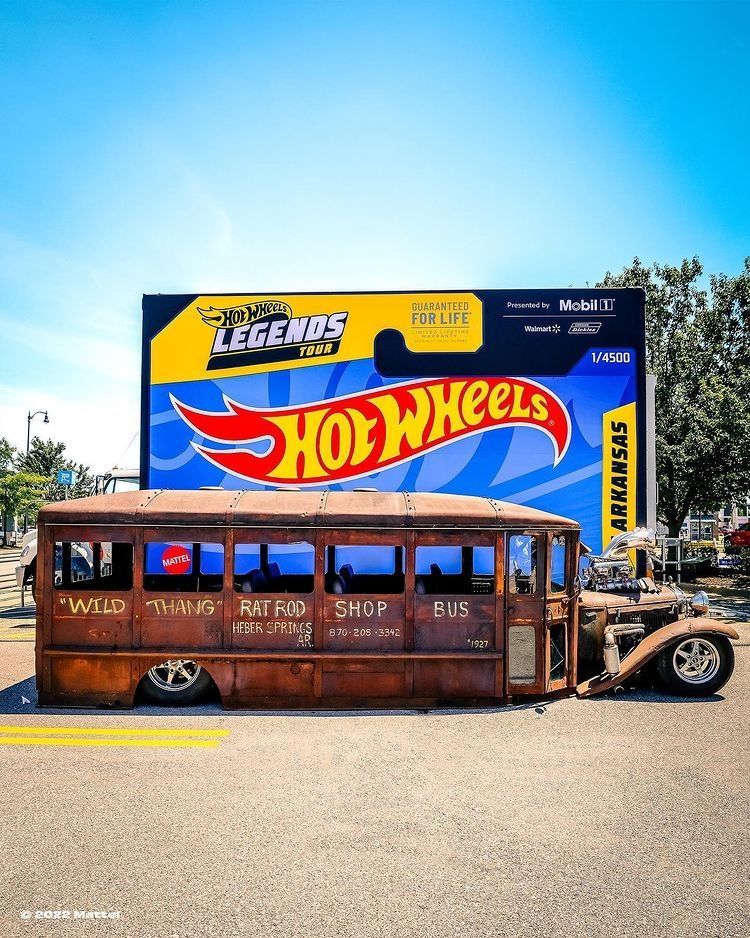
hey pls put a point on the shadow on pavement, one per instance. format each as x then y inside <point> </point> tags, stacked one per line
<point>12,702</point>
<point>650,695</point>
<point>12,698</point>
<point>27,613</point>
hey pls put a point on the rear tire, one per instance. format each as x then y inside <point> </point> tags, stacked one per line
<point>175,683</point>
<point>697,666</point>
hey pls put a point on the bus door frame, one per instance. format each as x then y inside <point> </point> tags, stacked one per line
<point>526,610</point>
<point>561,609</point>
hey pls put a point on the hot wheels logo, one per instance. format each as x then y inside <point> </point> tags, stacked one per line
<point>266,331</point>
<point>359,434</point>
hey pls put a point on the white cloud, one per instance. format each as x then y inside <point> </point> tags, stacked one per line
<point>97,430</point>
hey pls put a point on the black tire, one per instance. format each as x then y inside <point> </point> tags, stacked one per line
<point>697,665</point>
<point>154,685</point>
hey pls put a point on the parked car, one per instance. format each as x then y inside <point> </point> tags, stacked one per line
<point>26,566</point>
<point>739,538</point>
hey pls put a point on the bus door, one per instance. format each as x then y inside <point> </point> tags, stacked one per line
<point>525,553</point>
<point>559,611</point>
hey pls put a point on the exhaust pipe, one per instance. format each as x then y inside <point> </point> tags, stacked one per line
<point>612,663</point>
<point>611,653</point>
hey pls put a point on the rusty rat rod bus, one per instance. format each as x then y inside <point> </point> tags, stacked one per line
<point>312,599</point>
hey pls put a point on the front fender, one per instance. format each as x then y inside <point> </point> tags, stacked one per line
<point>650,647</point>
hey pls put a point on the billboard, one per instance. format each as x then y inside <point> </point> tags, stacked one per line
<point>531,396</point>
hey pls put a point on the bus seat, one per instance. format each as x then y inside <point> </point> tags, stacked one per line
<point>419,586</point>
<point>336,584</point>
<point>435,570</point>
<point>346,572</point>
<point>273,570</point>
<point>254,582</point>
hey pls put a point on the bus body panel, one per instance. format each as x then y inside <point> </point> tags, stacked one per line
<point>276,618</point>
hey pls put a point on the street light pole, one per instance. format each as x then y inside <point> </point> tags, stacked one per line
<point>29,418</point>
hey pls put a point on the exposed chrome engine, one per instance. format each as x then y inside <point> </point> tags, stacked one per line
<point>614,626</point>
<point>613,569</point>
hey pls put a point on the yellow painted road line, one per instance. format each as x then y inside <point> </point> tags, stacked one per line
<point>16,633</point>
<point>114,731</point>
<point>63,741</point>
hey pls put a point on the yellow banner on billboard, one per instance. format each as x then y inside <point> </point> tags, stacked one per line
<point>221,336</point>
<point>619,458</point>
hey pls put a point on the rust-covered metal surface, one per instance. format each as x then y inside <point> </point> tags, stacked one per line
<point>304,645</point>
<point>662,597</point>
<point>285,507</point>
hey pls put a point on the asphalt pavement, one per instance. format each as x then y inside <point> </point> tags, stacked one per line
<point>625,815</point>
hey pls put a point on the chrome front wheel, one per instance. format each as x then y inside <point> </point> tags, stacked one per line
<point>697,666</point>
<point>696,660</point>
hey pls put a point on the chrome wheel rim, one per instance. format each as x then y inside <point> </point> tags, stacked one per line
<point>696,660</point>
<point>175,674</point>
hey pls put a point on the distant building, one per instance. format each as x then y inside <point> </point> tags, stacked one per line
<point>708,526</point>
<point>732,516</point>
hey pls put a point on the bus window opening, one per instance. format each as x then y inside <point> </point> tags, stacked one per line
<point>365,568</point>
<point>274,568</point>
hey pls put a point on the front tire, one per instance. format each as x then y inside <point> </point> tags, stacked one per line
<point>175,683</point>
<point>697,666</point>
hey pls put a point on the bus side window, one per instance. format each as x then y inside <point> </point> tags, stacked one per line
<point>274,568</point>
<point>183,568</point>
<point>365,568</point>
<point>522,564</point>
<point>248,577</point>
<point>455,570</point>
<point>558,579</point>
<point>93,565</point>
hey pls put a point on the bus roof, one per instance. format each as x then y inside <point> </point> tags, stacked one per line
<point>299,509</point>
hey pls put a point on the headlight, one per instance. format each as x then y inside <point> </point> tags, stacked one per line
<point>25,551</point>
<point>682,600</point>
<point>700,603</point>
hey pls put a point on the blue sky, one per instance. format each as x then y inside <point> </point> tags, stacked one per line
<point>181,147</point>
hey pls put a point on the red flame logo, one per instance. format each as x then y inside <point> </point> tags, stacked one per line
<point>362,433</point>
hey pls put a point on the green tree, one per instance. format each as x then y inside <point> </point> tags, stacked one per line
<point>698,346</point>
<point>7,452</point>
<point>45,458</point>
<point>21,493</point>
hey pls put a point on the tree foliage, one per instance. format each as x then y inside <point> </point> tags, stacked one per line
<point>7,452</point>
<point>45,458</point>
<point>29,480</point>
<point>21,493</point>
<point>698,346</point>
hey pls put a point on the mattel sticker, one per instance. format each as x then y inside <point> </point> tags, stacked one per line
<point>176,559</point>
